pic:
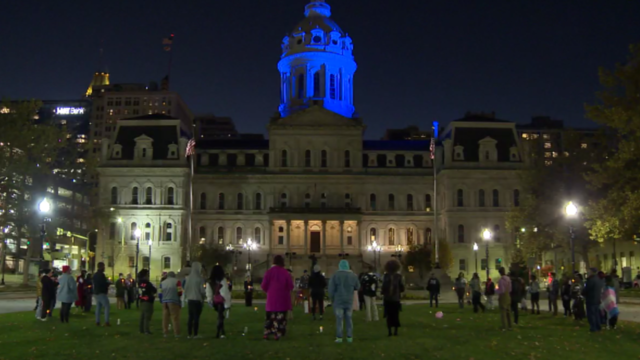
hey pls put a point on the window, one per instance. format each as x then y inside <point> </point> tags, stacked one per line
<point>280,235</point>
<point>221,201</point>
<point>392,236</point>
<point>373,234</point>
<point>170,196</point>
<point>258,205</point>
<point>144,152</point>
<point>307,200</point>
<point>347,159</point>
<point>166,263</point>
<point>316,83</point>
<point>410,202</point>
<point>240,201</point>
<point>323,158</point>
<point>347,200</point>
<point>148,196</point>
<point>516,197</point>
<point>323,200</point>
<point>427,236</point>
<point>220,235</point>
<point>496,198</point>
<point>284,162</point>
<point>372,202</point>
<point>203,201</point>
<point>496,232</point>
<point>134,227</point>
<point>349,240</point>
<point>427,202</point>
<point>114,195</point>
<point>283,200</point>
<point>460,198</point>
<point>132,261</point>
<point>583,146</point>
<point>112,230</point>
<point>483,264</point>
<point>307,158</point>
<point>332,86</point>
<point>460,234</point>
<point>462,265</point>
<point>547,145</point>
<point>300,86</point>
<point>134,195</point>
<point>410,237</point>
<point>257,235</point>
<point>481,198</point>
<point>168,232</point>
<point>145,262</point>
<point>392,202</point>
<point>202,232</point>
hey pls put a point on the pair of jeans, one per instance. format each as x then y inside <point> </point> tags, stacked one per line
<point>102,301</point>
<point>460,293</point>
<point>593,316</point>
<point>221,316</point>
<point>171,313</point>
<point>504,301</point>
<point>433,296</point>
<point>64,312</point>
<point>475,299</point>
<point>370,305</point>
<point>514,307</point>
<point>553,304</point>
<point>39,308</point>
<point>535,302</point>
<point>317,301</point>
<point>146,312</point>
<point>344,315</point>
<point>566,304</point>
<point>195,309</point>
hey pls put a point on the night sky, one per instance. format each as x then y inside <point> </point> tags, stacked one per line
<point>420,61</point>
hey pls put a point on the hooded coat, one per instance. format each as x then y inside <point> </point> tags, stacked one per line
<point>277,283</point>
<point>194,285</point>
<point>67,289</point>
<point>342,286</point>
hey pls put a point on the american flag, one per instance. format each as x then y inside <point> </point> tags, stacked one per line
<point>433,148</point>
<point>191,147</point>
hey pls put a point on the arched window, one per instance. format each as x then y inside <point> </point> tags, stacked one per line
<point>300,86</point>
<point>203,201</point>
<point>257,235</point>
<point>323,158</point>
<point>220,235</point>
<point>134,227</point>
<point>114,195</point>
<point>392,237</point>
<point>170,196</point>
<point>239,239</point>
<point>461,234</point>
<point>496,198</point>
<point>316,84</point>
<point>134,195</point>
<point>481,198</point>
<point>516,197</point>
<point>307,158</point>
<point>147,232</point>
<point>372,202</point>
<point>148,196</point>
<point>168,233</point>
<point>323,200</point>
<point>392,202</point>
<point>427,237</point>
<point>373,235</point>
<point>410,202</point>
<point>347,158</point>
<point>307,200</point>
<point>283,200</point>
<point>347,200</point>
<point>221,201</point>
<point>240,201</point>
<point>460,198</point>
<point>203,234</point>
<point>427,202</point>
<point>258,204</point>
<point>283,159</point>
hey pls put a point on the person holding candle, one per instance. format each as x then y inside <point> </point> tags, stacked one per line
<point>120,289</point>
<point>194,293</point>
<point>317,284</point>
<point>342,286</point>
<point>277,284</point>
<point>147,297</point>
<point>248,290</point>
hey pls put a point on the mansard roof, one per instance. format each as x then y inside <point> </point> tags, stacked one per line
<point>469,138</point>
<point>232,144</point>
<point>162,135</point>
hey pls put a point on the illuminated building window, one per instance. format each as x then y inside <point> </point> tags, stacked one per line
<point>546,136</point>
<point>547,145</point>
<point>583,146</point>
<point>525,136</point>
<point>547,154</point>
<point>548,162</point>
<point>566,153</point>
<point>63,122</point>
<point>554,154</point>
<point>534,136</point>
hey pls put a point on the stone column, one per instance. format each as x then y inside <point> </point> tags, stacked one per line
<point>288,239</point>
<point>342,236</point>
<point>269,234</point>
<point>324,237</point>
<point>361,235</point>
<point>306,236</point>
<point>222,160</point>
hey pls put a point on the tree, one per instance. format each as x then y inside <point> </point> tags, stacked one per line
<point>445,256</point>
<point>617,214</point>
<point>420,258</point>
<point>210,255</point>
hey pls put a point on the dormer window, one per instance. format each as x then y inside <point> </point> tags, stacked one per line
<point>458,152</point>
<point>143,148</point>
<point>173,151</point>
<point>513,154</point>
<point>117,151</point>
<point>317,37</point>
<point>487,150</point>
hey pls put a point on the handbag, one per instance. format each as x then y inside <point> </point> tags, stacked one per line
<point>218,299</point>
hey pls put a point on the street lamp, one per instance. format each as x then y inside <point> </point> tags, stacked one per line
<point>375,248</point>
<point>475,251</point>
<point>235,254</point>
<point>150,243</point>
<point>250,245</point>
<point>486,236</point>
<point>571,210</point>
<point>137,234</point>
<point>44,208</point>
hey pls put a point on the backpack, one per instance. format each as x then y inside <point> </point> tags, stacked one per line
<point>218,299</point>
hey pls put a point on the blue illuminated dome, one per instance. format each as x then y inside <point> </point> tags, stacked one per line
<point>317,65</point>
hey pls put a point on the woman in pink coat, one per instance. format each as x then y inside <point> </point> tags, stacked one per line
<point>278,285</point>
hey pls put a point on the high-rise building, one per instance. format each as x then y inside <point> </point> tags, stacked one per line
<point>214,127</point>
<point>409,133</point>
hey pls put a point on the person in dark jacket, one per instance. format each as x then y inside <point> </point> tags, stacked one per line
<point>433,287</point>
<point>392,288</point>
<point>88,292</point>
<point>317,284</point>
<point>248,291</point>
<point>578,299</point>
<point>592,293</point>
<point>48,293</point>
<point>554,292</point>
<point>565,293</point>
<point>489,292</point>
<point>130,292</point>
<point>369,288</point>
<point>120,289</point>
<point>100,292</point>
<point>147,296</point>
<point>517,293</point>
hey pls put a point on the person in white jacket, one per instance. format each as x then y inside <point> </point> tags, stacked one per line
<point>219,296</point>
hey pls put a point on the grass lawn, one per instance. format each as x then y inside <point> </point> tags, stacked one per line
<point>459,335</point>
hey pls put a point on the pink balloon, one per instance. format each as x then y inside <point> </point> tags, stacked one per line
<point>439,315</point>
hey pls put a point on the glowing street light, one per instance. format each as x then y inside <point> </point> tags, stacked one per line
<point>375,248</point>
<point>571,210</point>
<point>475,251</point>
<point>250,245</point>
<point>44,206</point>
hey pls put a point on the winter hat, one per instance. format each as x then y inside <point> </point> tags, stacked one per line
<point>66,269</point>
<point>344,265</point>
<point>316,268</point>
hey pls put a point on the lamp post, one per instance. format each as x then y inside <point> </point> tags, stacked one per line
<point>235,254</point>
<point>150,243</point>
<point>250,245</point>
<point>375,248</point>
<point>486,236</point>
<point>475,251</point>
<point>137,234</point>
<point>3,247</point>
<point>44,208</point>
<point>571,210</point>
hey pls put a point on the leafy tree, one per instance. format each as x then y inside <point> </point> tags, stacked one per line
<point>210,255</point>
<point>445,256</point>
<point>420,258</point>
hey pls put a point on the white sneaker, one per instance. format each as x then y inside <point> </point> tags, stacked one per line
<point>43,319</point>
<point>222,336</point>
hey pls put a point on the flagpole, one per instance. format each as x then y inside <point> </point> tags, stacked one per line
<point>190,237</point>
<point>434,161</point>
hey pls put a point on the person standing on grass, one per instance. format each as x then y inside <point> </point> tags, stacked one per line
<point>219,297</point>
<point>304,286</point>
<point>517,291</point>
<point>54,277</point>
<point>277,284</point>
<point>392,289</point>
<point>88,292</point>
<point>342,287</point>
<point>317,284</point>
<point>80,283</point>
<point>67,293</point>
<point>194,292</point>
<point>120,289</point>
<point>476,293</point>
<point>147,297</point>
<point>534,291</point>
<point>489,292</point>
<point>433,287</point>
<point>101,292</point>
<point>578,300</point>
<point>554,293</point>
<point>592,293</point>
<point>460,287</point>
<point>48,293</point>
<point>609,304</point>
<point>248,290</point>
<point>616,284</point>
<point>130,292</point>
<point>38,308</point>
<point>369,288</point>
<point>504,299</point>
<point>565,293</point>
<point>171,292</point>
